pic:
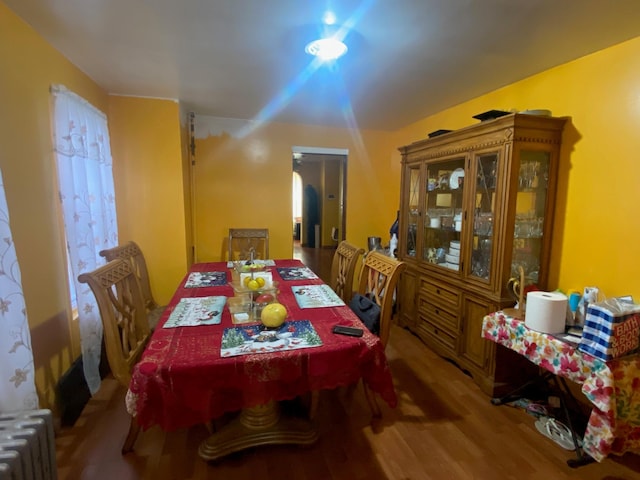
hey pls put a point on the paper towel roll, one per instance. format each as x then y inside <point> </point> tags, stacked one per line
<point>546,312</point>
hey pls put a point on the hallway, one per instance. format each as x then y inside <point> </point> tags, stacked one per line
<point>317,259</point>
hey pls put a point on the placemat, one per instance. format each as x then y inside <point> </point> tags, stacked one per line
<point>292,335</point>
<point>206,279</point>
<point>196,311</point>
<point>315,296</point>
<point>296,273</point>
<point>266,263</point>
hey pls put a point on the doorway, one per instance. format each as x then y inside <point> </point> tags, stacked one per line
<point>319,193</point>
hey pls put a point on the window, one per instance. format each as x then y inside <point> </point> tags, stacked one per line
<point>87,197</point>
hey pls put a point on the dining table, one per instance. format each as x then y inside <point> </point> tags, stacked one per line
<point>193,372</point>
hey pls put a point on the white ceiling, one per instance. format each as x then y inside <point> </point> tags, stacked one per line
<point>245,58</point>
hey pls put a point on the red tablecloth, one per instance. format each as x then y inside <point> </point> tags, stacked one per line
<point>181,379</point>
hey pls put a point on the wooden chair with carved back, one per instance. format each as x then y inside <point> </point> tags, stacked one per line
<point>126,330</point>
<point>131,252</point>
<point>343,267</point>
<point>378,279</point>
<point>243,241</point>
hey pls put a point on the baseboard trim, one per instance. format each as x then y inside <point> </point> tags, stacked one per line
<point>72,391</point>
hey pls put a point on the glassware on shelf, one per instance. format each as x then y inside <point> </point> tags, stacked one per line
<point>483,224</point>
<point>528,225</point>
<point>487,172</point>
<point>411,240</point>
<point>529,175</point>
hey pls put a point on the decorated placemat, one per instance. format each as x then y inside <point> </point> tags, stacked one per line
<point>206,279</point>
<point>315,296</point>
<point>262,263</point>
<point>196,311</point>
<point>296,273</point>
<point>251,339</point>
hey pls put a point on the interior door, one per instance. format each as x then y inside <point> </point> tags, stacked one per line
<point>325,175</point>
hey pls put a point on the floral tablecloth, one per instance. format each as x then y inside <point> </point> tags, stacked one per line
<point>612,387</point>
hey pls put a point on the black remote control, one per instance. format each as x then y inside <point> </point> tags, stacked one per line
<point>351,331</point>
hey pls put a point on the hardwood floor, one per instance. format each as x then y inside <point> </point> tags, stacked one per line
<point>317,259</point>
<point>443,428</point>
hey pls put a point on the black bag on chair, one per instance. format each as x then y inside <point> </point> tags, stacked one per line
<point>367,310</point>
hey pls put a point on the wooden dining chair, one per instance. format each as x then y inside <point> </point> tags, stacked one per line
<point>378,279</point>
<point>244,240</point>
<point>124,322</point>
<point>343,268</point>
<point>131,252</point>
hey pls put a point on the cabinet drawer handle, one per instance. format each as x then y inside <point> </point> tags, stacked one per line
<point>438,291</point>
<point>437,311</point>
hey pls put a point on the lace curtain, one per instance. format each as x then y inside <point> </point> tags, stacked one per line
<point>83,157</point>
<point>17,382</point>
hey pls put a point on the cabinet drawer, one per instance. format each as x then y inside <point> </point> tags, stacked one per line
<point>428,329</point>
<point>439,316</point>
<point>436,293</point>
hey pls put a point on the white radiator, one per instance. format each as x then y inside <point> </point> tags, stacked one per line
<point>27,446</point>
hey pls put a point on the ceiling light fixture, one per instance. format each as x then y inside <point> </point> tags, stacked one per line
<point>326,48</point>
<point>330,46</point>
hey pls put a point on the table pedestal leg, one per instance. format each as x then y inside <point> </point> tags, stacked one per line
<point>261,425</point>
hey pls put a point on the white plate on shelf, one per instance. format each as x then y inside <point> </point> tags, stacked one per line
<point>539,112</point>
<point>456,177</point>
<point>454,259</point>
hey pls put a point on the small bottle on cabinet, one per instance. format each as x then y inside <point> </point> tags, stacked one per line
<point>393,246</point>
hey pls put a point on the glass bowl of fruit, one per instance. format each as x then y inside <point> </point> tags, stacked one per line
<point>241,270</point>
<point>255,284</point>
<point>256,293</point>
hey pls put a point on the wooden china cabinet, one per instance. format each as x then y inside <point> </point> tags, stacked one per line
<point>476,204</point>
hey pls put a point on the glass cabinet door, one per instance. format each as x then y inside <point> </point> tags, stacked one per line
<point>443,212</point>
<point>528,229</point>
<point>410,235</point>
<point>486,168</point>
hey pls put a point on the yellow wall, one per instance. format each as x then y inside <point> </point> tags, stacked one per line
<point>149,152</point>
<point>29,65</point>
<point>147,148</point>
<point>596,222</point>
<point>246,182</point>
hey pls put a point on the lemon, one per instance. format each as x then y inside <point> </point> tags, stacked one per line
<point>246,281</point>
<point>253,284</point>
<point>261,282</point>
<point>273,315</point>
